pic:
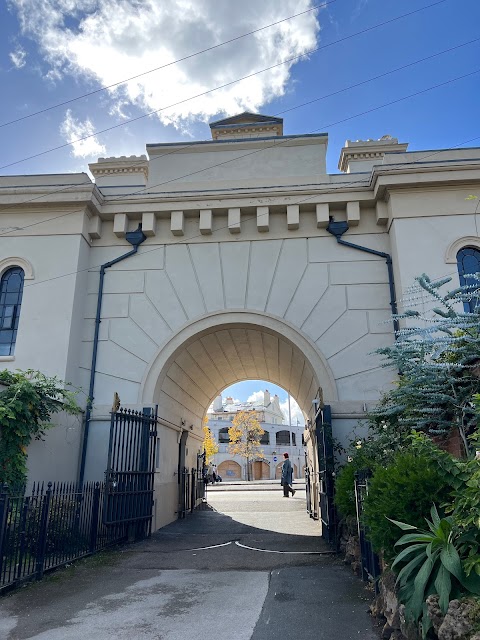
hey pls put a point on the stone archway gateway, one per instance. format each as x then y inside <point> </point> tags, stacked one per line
<point>252,262</point>
<point>249,261</point>
<point>183,370</point>
<point>224,348</point>
<point>190,370</point>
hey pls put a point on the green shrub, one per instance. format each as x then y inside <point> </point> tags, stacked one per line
<point>345,491</point>
<point>27,404</point>
<point>379,448</point>
<point>403,491</point>
<point>464,476</point>
<point>431,564</point>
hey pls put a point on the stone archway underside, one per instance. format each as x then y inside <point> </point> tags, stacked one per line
<point>214,359</point>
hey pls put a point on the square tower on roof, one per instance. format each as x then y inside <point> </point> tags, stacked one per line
<point>246,125</point>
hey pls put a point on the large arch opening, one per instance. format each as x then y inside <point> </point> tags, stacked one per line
<point>221,349</point>
<point>213,353</point>
<point>279,417</point>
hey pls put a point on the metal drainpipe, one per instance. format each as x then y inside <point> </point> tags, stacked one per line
<point>337,229</point>
<point>135,238</point>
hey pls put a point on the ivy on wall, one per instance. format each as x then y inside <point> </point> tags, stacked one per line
<point>27,404</point>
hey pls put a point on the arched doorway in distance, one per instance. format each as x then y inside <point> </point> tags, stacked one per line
<point>230,470</point>
<point>260,470</point>
<point>278,471</point>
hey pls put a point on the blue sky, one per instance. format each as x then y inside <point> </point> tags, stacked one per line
<point>50,53</point>
<point>253,390</point>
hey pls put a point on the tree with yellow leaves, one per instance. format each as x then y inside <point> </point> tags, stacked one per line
<point>210,445</point>
<point>245,434</point>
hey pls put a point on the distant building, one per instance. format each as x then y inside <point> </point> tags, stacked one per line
<point>277,439</point>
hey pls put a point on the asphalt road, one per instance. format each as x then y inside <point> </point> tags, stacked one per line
<point>251,566</point>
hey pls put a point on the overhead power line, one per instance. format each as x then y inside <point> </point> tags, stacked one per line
<point>199,95</point>
<point>324,192</point>
<point>322,5</point>
<point>285,141</point>
<point>182,147</point>
<point>199,235</point>
<point>274,144</point>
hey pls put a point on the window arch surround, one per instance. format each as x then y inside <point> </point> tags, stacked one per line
<point>25,265</point>
<point>468,261</point>
<point>467,242</point>
<point>11,293</point>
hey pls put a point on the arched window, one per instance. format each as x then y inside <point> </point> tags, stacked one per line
<point>283,438</point>
<point>468,261</point>
<point>223,436</point>
<point>265,438</point>
<point>11,290</point>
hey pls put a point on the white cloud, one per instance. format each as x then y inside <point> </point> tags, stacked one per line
<point>256,395</point>
<point>117,110</point>
<point>18,57</point>
<point>109,40</point>
<point>295,410</point>
<point>361,5</point>
<point>73,130</point>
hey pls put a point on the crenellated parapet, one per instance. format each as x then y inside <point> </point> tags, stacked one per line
<point>362,155</point>
<point>121,171</point>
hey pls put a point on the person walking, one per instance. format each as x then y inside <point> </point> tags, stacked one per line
<point>210,474</point>
<point>287,477</point>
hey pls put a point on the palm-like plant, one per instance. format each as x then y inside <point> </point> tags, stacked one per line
<point>431,565</point>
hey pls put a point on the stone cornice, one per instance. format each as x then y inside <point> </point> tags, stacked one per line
<point>230,131</point>
<point>254,197</point>
<point>238,144</point>
<point>366,152</point>
<point>122,165</point>
<point>384,178</point>
<point>36,198</point>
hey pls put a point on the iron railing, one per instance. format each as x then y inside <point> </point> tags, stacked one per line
<point>308,492</point>
<point>128,498</point>
<point>193,491</point>
<point>51,526</point>
<point>370,561</point>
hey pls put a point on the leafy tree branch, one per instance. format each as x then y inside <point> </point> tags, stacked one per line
<point>245,434</point>
<point>26,406</point>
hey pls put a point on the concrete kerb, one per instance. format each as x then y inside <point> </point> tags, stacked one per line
<point>245,485</point>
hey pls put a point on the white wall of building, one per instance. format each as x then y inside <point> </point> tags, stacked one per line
<point>238,278</point>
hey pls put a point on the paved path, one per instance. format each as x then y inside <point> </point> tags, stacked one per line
<point>250,567</point>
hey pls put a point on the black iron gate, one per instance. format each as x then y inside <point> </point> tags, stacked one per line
<point>308,488</point>
<point>370,560</point>
<point>193,487</point>
<point>326,474</point>
<point>129,477</point>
